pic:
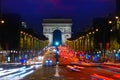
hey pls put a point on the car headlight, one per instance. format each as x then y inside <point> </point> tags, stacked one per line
<point>50,61</point>
<point>46,61</point>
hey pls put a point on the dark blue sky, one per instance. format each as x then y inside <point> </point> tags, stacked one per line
<point>81,11</point>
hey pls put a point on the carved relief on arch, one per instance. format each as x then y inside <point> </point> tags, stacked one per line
<point>47,36</point>
<point>57,28</point>
<point>53,29</point>
<point>61,29</point>
<point>67,36</point>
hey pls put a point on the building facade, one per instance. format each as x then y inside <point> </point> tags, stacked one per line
<point>17,41</point>
<point>62,25</point>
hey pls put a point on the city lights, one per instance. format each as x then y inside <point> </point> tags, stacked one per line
<point>111,30</point>
<point>110,22</point>
<point>96,30</point>
<point>56,43</point>
<point>2,21</point>
<point>117,17</point>
<point>80,39</point>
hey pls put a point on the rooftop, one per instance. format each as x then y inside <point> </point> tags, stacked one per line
<point>57,21</point>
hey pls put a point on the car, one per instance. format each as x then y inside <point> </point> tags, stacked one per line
<point>48,62</point>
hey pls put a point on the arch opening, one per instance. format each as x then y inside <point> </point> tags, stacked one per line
<point>57,38</point>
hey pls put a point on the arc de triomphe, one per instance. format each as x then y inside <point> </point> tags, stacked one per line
<point>50,25</point>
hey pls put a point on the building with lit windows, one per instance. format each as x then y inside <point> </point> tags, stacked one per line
<point>115,23</point>
<point>17,41</point>
<point>94,37</point>
<point>118,21</point>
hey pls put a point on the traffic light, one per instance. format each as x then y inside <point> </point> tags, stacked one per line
<point>57,43</point>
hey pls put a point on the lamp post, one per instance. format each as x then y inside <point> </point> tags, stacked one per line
<point>57,54</point>
<point>1,20</point>
<point>57,61</point>
<point>115,23</point>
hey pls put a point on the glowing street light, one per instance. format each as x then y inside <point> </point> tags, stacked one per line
<point>89,32</point>
<point>2,21</point>
<point>117,17</point>
<point>93,32</point>
<point>96,30</point>
<point>111,30</point>
<point>110,22</point>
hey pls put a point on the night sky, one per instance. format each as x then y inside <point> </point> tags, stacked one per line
<point>80,11</point>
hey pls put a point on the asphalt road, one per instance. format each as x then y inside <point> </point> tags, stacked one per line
<point>88,73</point>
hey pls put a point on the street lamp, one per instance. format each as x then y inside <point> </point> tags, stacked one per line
<point>57,51</point>
<point>96,30</point>
<point>117,17</point>
<point>111,30</point>
<point>115,29</point>
<point>110,22</point>
<point>2,21</point>
<point>57,56</point>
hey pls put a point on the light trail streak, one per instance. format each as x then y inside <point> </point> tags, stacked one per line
<point>96,76</point>
<point>17,73</point>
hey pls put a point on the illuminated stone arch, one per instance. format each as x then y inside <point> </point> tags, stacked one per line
<point>50,25</point>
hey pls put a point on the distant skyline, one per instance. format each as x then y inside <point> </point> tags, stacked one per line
<point>80,11</point>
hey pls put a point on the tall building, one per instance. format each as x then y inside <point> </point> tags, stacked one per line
<point>118,8</point>
<point>117,31</point>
